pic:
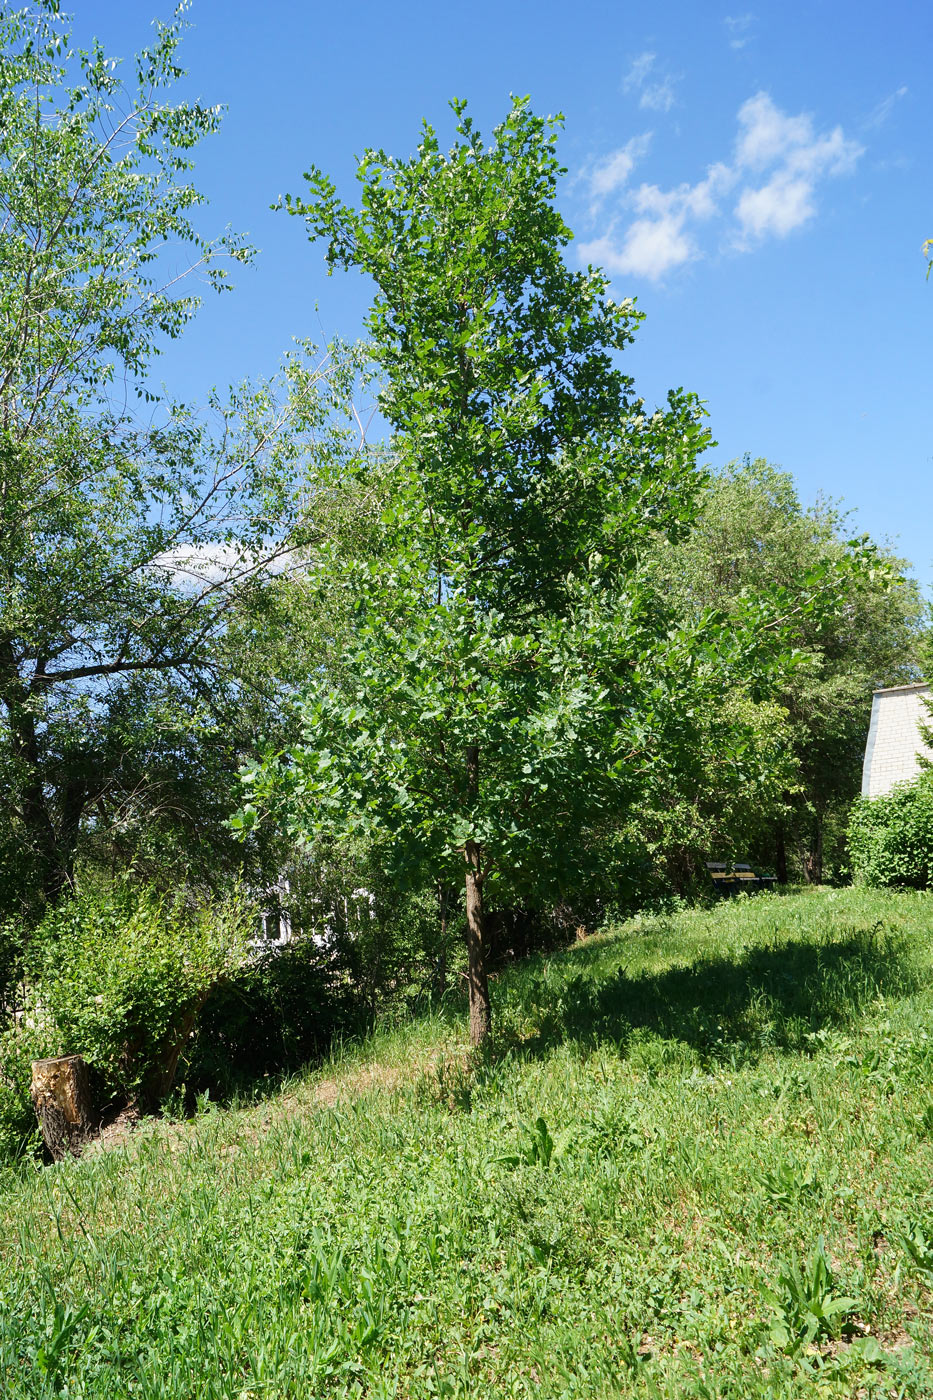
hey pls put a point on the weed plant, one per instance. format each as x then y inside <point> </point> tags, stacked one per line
<point>698,1162</point>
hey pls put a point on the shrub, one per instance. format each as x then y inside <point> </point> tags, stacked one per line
<point>20,1044</point>
<point>119,977</point>
<point>891,837</point>
<point>278,1012</point>
<point>12,943</point>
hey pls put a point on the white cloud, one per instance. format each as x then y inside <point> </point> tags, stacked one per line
<point>777,165</point>
<point>699,200</point>
<point>658,97</point>
<point>650,248</point>
<point>787,199</point>
<point>612,172</point>
<point>659,241</point>
<point>637,74</point>
<point>195,565</point>
<point>738,28</point>
<point>766,133</point>
<point>779,207</point>
<point>655,90</point>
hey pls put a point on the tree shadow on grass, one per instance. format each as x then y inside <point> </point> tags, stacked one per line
<point>723,1008</point>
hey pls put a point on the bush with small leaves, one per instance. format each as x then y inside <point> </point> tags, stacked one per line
<point>891,837</point>
<point>119,977</point>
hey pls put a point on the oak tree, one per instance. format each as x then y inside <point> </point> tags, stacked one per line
<point>512,674</point>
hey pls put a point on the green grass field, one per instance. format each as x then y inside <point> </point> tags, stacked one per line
<point>699,1162</point>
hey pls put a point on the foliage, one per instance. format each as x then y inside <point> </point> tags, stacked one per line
<point>129,539</point>
<point>119,976</point>
<point>512,675</point>
<point>281,1010</point>
<point>915,1244</point>
<point>21,1042</point>
<point>386,941</point>
<point>357,947</point>
<point>751,537</point>
<point>358,1232</point>
<point>720,804</point>
<point>891,837</point>
<point>807,1304</point>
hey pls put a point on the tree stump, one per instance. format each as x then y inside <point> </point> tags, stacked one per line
<point>61,1095</point>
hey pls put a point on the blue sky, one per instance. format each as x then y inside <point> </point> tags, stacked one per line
<point>758,178</point>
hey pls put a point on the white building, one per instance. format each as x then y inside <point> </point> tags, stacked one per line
<point>894,742</point>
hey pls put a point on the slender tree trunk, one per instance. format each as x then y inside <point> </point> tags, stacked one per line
<point>480,1009</point>
<point>443,906</point>
<point>813,858</point>
<point>780,856</point>
<point>52,848</point>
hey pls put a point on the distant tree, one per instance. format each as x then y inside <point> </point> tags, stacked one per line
<point>752,535</point>
<point>132,531</point>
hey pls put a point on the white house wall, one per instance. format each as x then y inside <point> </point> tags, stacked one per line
<point>894,742</point>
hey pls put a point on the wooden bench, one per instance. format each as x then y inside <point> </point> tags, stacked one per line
<point>730,879</point>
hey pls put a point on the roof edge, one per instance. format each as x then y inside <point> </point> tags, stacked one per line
<point>893,689</point>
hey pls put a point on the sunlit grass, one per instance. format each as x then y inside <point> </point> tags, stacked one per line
<point>719,1090</point>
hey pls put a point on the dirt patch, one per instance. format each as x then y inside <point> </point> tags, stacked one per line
<point>351,1083</point>
<point>115,1131</point>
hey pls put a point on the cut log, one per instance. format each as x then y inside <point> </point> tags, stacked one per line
<point>61,1096</point>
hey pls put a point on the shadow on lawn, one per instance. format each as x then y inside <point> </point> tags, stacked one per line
<point>723,1008</point>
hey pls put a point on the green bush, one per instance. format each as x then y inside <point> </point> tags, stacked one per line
<point>276,1013</point>
<point>891,837</point>
<point>20,1044</point>
<point>119,977</point>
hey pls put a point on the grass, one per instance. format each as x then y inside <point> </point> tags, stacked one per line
<point>698,1163</point>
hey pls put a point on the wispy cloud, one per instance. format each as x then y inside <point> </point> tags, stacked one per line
<point>611,172</point>
<point>879,115</point>
<point>738,29</point>
<point>638,73</point>
<point>766,190</point>
<point>654,89</point>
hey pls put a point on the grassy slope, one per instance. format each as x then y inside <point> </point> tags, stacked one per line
<point>722,1088</point>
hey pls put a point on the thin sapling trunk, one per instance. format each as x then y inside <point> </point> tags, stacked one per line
<point>480,1010</point>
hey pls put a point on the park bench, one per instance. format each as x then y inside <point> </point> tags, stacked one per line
<point>732,878</point>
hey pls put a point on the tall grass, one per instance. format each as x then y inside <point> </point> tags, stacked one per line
<point>698,1162</point>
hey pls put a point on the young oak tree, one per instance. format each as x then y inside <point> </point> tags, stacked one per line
<point>512,675</point>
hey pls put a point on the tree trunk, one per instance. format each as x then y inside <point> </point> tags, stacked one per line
<point>813,858</point>
<point>443,906</point>
<point>780,856</point>
<point>61,1095</point>
<point>480,1010</point>
<point>51,845</point>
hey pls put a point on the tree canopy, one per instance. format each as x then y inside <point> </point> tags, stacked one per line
<point>132,529</point>
<point>515,678</point>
